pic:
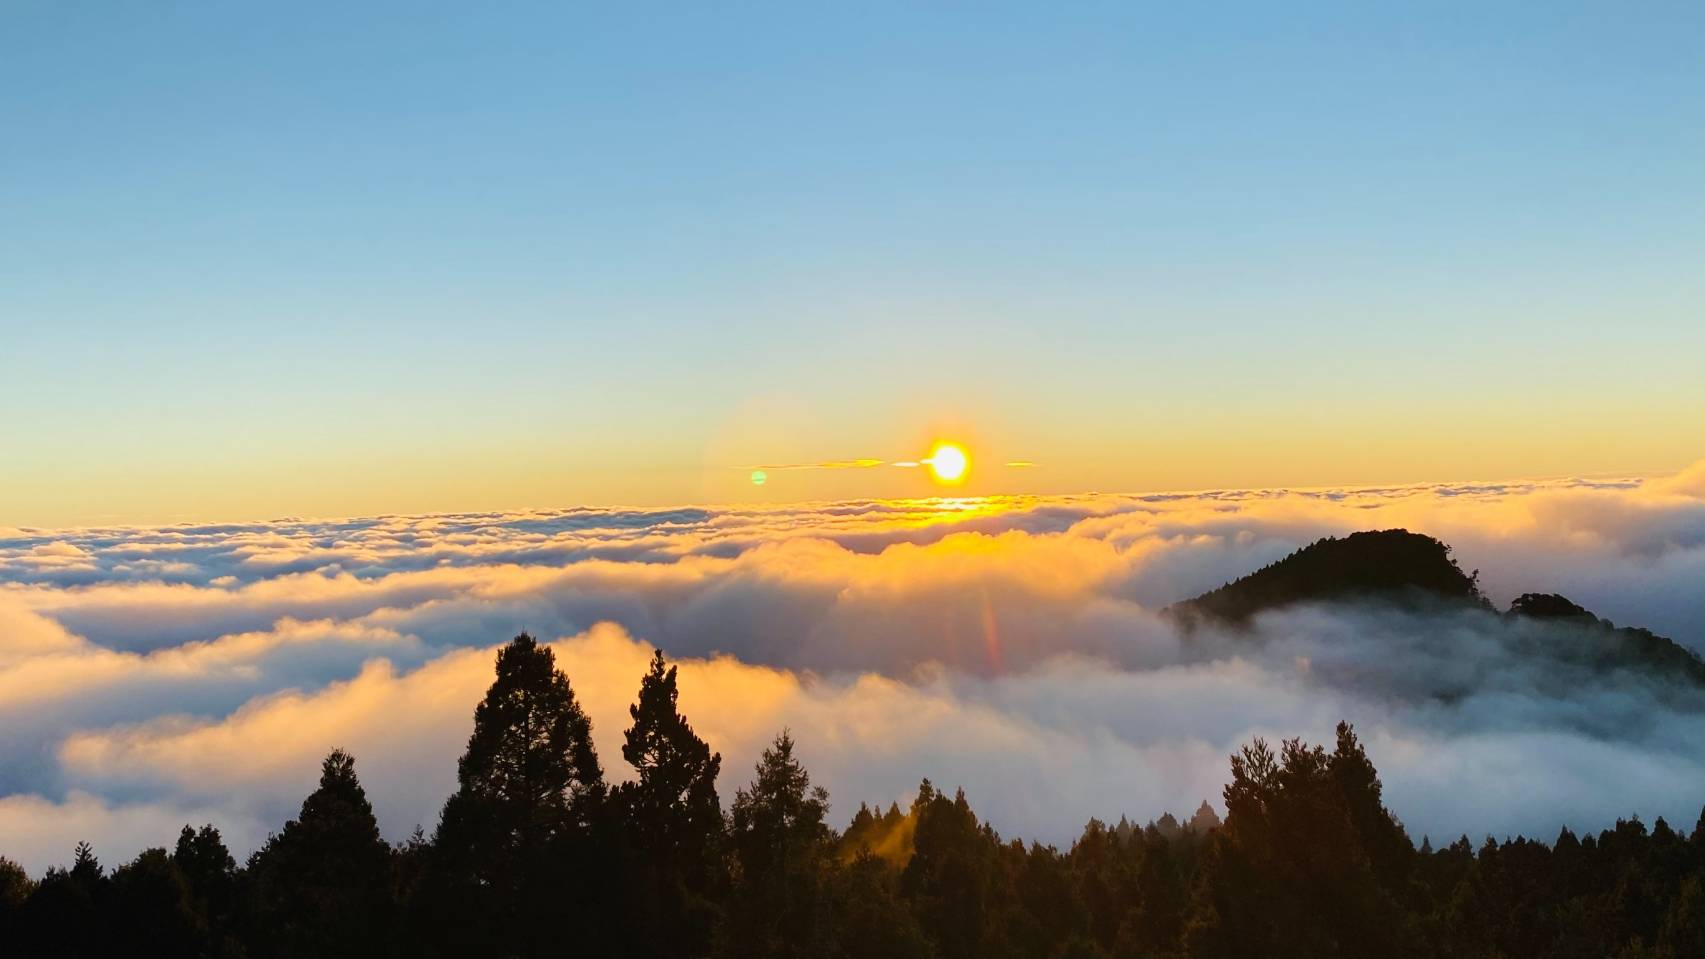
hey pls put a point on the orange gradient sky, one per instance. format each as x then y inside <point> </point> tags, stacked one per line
<point>254,267</point>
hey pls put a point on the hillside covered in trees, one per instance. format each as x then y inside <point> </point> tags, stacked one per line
<point>1397,569</point>
<point>1390,566</point>
<point>538,853</point>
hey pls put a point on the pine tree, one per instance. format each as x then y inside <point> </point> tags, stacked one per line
<point>1683,930</point>
<point>949,880</point>
<point>153,911</point>
<point>530,759</point>
<point>673,821</point>
<point>1382,837</point>
<point>516,845</point>
<point>1289,873</point>
<point>63,916</point>
<point>867,918</point>
<point>323,883</point>
<point>15,891</point>
<point>85,868</point>
<point>211,873</point>
<point>1157,921</point>
<point>1204,820</point>
<point>781,843</point>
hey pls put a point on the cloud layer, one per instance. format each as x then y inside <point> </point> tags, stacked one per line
<point>153,676</point>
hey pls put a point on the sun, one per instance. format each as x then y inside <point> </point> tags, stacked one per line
<point>948,462</point>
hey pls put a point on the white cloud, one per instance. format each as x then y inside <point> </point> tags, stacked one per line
<point>1006,645</point>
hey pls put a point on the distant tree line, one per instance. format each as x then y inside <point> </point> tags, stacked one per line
<point>537,854</point>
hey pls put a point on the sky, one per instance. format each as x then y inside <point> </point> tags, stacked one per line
<point>1013,646</point>
<point>324,260</point>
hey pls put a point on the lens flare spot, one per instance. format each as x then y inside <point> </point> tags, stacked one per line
<point>759,477</point>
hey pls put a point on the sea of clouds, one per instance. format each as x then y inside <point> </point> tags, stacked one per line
<point>151,677</point>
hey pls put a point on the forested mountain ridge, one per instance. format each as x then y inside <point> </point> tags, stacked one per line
<point>1392,566</point>
<point>536,854</point>
<point>1399,569</point>
<point>1610,646</point>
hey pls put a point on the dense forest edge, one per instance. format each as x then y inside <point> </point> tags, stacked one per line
<point>538,852</point>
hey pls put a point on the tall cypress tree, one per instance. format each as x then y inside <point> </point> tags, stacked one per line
<point>510,854</point>
<point>673,821</point>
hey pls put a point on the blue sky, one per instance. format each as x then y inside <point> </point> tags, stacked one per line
<point>312,259</point>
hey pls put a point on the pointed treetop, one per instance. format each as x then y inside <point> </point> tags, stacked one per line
<point>532,743</point>
<point>84,864</point>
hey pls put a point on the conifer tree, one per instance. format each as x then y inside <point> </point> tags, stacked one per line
<point>868,919</point>
<point>530,757</point>
<point>1155,924</point>
<point>15,885</point>
<point>15,890</point>
<point>154,912</point>
<point>950,878</point>
<point>673,821</point>
<point>323,883</point>
<point>1289,873</point>
<point>211,873</point>
<point>63,916</point>
<point>86,869</point>
<point>510,856</point>
<point>780,843</point>
<point>1381,836</point>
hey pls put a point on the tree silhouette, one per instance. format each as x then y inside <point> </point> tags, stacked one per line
<point>86,868</point>
<point>211,873</point>
<point>866,918</point>
<point>154,912</point>
<point>950,878</point>
<point>63,916</point>
<point>531,860</point>
<point>780,841</point>
<point>1394,566</point>
<point>673,822</point>
<point>323,883</point>
<point>530,792</point>
<point>15,891</point>
<point>1289,874</point>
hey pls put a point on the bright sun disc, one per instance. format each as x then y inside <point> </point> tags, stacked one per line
<point>948,461</point>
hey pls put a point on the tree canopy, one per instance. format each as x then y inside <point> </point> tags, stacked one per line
<point>534,855</point>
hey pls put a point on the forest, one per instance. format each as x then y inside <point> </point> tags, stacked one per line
<point>539,852</point>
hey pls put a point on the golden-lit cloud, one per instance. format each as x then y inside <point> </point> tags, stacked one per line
<point>1008,644</point>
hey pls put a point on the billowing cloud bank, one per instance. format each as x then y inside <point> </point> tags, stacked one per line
<point>151,677</point>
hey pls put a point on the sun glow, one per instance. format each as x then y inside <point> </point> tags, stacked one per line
<point>948,461</point>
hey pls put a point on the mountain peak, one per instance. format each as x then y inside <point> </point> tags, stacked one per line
<point>1550,606</point>
<point>1609,645</point>
<point>1403,569</point>
<point>1392,564</point>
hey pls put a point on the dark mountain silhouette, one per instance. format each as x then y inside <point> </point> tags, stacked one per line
<point>1392,565</point>
<point>1607,645</point>
<point>1553,607</point>
<point>1409,570</point>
